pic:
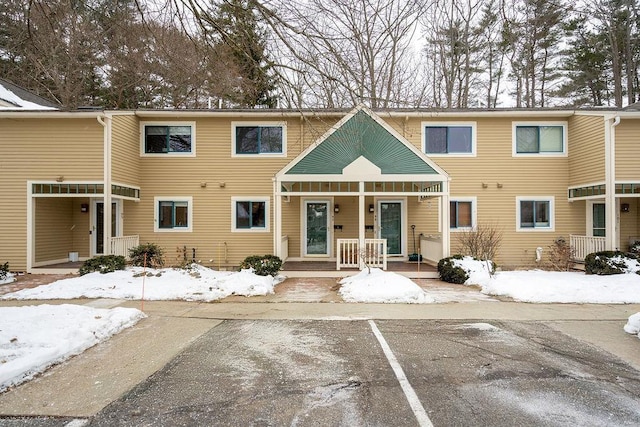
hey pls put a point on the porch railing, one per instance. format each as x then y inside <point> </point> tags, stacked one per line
<point>349,254</point>
<point>584,245</point>
<point>121,245</point>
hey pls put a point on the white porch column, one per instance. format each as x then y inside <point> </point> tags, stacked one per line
<point>444,221</point>
<point>361,221</point>
<point>277,219</point>
<point>105,121</point>
<point>611,211</point>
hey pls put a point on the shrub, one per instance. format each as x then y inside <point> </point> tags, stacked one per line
<point>104,264</point>
<point>606,262</point>
<point>153,254</point>
<point>634,248</point>
<point>482,242</point>
<point>266,265</point>
<point>4,270</point>
<point>450,272</point>
<point>561,255</point>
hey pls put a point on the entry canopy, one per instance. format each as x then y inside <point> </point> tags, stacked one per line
<point>362,147</point>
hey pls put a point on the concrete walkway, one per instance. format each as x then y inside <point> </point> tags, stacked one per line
<point>87,383</point>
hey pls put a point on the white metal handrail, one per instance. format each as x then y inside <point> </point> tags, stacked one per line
<point>584,245</point>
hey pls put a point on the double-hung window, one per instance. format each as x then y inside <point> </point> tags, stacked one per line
<point>462,213</point>
<point>258,139</point>
<point>168,139</point>
<point>542,139</point>
<point>534,213</point>
<point>449,138</point>
<point>250,214</point>
<point>173,213</point>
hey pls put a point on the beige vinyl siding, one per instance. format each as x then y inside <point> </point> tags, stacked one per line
<point>80,227</point>
<point>494,164</point>
<point>627,149</point>
<point>41,149</point>
<point>125,150</point>
<point>586,150</point>
<point>53,225</point>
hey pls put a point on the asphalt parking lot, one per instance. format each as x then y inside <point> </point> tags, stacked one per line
<point>336,373</point>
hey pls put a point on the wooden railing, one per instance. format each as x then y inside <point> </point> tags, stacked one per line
<point>349,254</point>
<point>584,245</point>
<point>121,245</point>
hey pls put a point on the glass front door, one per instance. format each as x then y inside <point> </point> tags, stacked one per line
<point>317,228</point>
<point>98,229</point>
<point>390,225</point>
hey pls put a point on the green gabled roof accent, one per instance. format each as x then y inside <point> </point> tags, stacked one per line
<point>359,136</point>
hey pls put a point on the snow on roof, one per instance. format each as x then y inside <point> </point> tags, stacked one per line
<point>13,97</point>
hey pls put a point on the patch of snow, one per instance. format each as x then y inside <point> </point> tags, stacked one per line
<point>22,104</point>
<point>633,325</point>
<point>10,278</point>
<point>380,286</point>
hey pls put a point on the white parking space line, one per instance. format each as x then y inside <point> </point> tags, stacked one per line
<point>409,392</point>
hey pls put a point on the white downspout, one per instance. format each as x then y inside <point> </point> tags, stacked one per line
<point>611,215</point>
<point>105,121</point>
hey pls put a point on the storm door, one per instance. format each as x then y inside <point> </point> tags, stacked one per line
<point>316,214</point>
<point>390,227</point>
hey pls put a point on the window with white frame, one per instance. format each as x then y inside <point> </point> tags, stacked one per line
<point>462,213</point>
<point>173,213</point>
<point>450,138</point>
<point>258,138</point>
<point>168,138</point>
<point>535,213</point>
<point>544,138</point>
<point>250,214</point>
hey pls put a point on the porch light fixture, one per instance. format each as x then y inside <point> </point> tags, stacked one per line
<point>499,185</point>
<point>624,207</point>
<point>222,184</point>
<point>336,208</point>
<point>485,185</point>
<point>371,209</point>
<point>60,178</point>
<point>203,185</point>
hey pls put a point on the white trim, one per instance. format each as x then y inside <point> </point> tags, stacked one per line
<point>156,214</point>
<point>280,124</point>
<point>303,223</point>
<point>552,222</point>
<point>30,227</point>
<point>565,138</point>
<point>191,124</point>
<point>474,213</point>
<point>267,217</point>
<point>404,235</point>
<point>474,133</point>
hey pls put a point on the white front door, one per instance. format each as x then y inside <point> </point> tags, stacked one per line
<point>391,225</point>
<point>317,233</point>
<point>97,225</point>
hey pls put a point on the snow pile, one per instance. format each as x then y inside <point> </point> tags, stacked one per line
<point>383,287</point>
<point>196,283</point>
<point>628,265</point>
<point>633,325</point>
<point>8,279</point>
<point>478,271</point>
<point>11,97</point>
<point>32,338</point>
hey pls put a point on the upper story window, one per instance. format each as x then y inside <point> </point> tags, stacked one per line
<point>534,213</point>
<point>462,214</point>
<point>449,138</point>
<point>259,139</point>
<point>250,213</point>
<point>544,139</point>
<point>168,138</point>
<point>173,213</point>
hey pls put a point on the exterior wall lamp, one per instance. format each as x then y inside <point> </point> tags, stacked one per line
<point>371,209</point>
<point>336,208</point>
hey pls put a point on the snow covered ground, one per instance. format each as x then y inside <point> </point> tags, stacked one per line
<point>9,279</point>
<point>33,338</point>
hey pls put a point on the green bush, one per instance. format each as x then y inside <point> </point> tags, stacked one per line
<point>451,273</point>
<point>4,270</point>
<point>265,265</point>
<point>634,248</point>
<point>154,255</point>
<point>104,264</point>
<point>603,264</point>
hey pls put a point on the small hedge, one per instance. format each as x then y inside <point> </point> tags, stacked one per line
<point>265,265</point>
<point>154,255</point>
<point>104,264</point>
<point>4,270</point>
<point>634,248</point>
<point>603,264</point>
<point>451,273</point>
